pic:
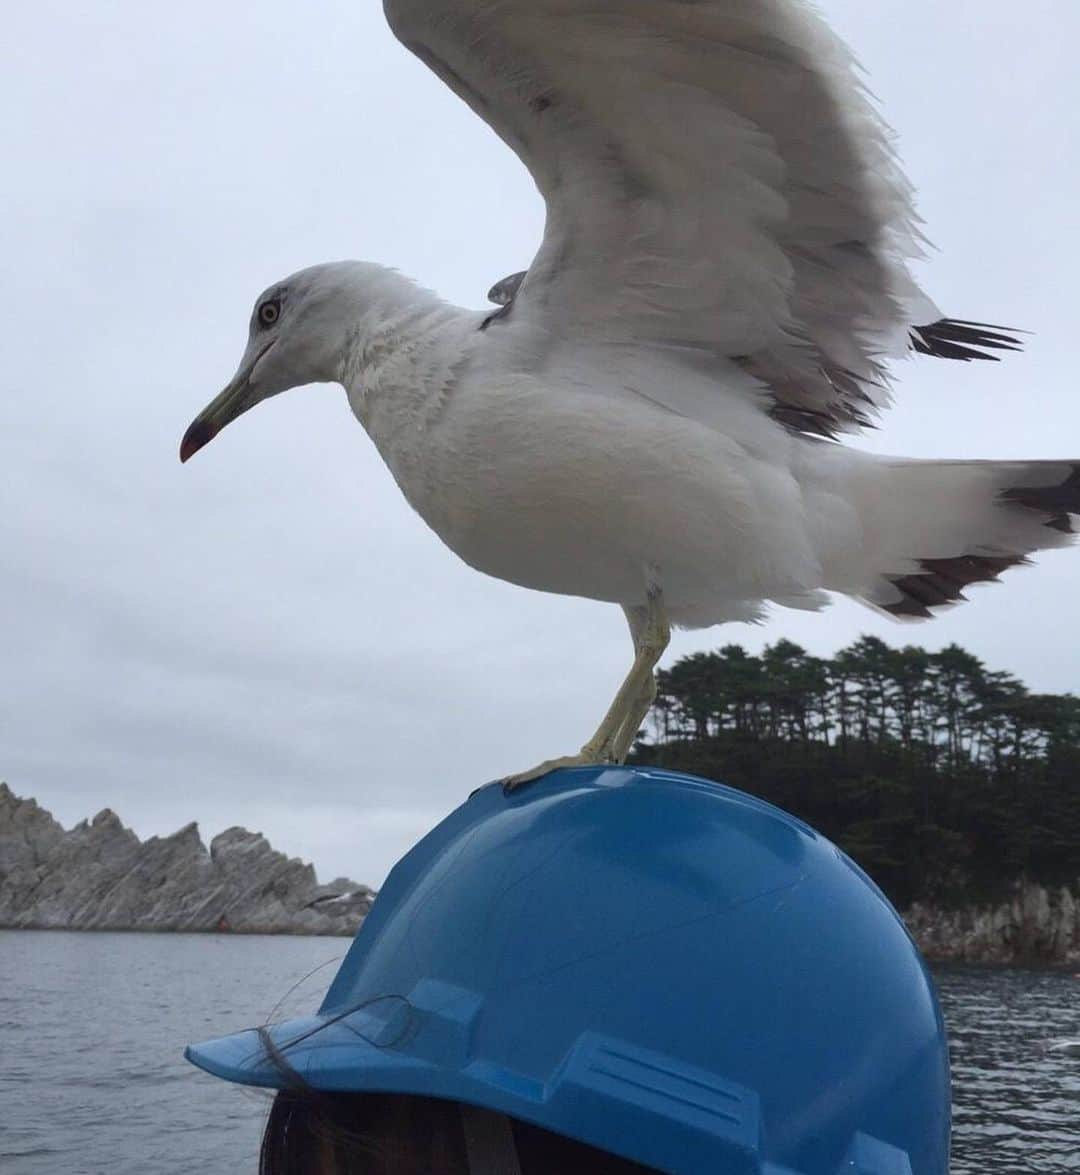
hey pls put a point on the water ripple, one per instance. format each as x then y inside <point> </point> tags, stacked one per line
<point>94,1078</point>
<point>1016,1102</point>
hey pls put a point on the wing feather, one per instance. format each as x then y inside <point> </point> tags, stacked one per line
<point>715,177</point>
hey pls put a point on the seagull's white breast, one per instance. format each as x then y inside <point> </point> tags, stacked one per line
<point>562,483</point>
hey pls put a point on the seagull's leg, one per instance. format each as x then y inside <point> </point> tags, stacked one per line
<point>645,634</point>
<point>651,632</point>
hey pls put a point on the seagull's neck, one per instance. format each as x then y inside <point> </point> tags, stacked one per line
<point>401,362</point>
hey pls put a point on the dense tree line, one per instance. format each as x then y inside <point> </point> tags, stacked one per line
<point>943,779</point>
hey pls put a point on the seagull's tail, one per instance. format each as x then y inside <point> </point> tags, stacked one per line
<point>909,536</point>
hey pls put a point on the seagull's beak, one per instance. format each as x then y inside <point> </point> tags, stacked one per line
<point>235,400</point>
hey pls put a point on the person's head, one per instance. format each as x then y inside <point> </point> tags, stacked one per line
<point>653,966</point>
<point>308,1133</point>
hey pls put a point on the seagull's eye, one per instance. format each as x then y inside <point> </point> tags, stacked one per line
<point>269,312</point>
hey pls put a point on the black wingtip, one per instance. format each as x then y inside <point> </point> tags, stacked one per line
<point>1061,502</point>
<point>956,338</point>
<point>942,581</point>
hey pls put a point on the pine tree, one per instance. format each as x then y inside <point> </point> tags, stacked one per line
<point>944,779</point>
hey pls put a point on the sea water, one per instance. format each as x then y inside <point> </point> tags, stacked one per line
<point>93,1027</point>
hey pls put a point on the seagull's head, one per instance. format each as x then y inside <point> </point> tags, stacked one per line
<point>298,335</point>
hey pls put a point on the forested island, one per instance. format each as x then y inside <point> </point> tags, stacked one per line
<point>954,786</point>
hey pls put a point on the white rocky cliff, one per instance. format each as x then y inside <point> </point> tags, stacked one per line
<point>100,876</point>
<point>1034,926</point>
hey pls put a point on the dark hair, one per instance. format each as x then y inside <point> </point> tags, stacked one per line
<point>313,1133</point>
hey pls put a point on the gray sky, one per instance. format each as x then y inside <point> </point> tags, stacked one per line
<point>268,636</point>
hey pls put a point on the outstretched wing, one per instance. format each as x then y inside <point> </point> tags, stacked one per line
<point>948,338</point>
<point>715,179</point>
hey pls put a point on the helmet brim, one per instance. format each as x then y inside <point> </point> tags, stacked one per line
<point>322,1052</point>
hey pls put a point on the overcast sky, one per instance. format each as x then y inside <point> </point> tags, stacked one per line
<point>268,636</point>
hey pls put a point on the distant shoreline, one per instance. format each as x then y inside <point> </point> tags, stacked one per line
<point>100,876</point>
<point>340,934</point>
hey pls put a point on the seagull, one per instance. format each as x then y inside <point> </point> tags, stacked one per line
<point>653,414</point>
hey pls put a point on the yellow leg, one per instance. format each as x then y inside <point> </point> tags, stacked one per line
<point>628,731</point>
<point>648,631</point>
<point>651,634</point>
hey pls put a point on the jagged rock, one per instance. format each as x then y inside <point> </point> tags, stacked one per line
<point>100,876</point>
<point>1036,926</point>
<point>31,834</point>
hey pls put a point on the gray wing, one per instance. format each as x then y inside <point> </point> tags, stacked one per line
<point>715,178</point>
<point>947,338</point>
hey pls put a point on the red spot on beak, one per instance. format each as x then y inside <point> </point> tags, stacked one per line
<point>198,434</point>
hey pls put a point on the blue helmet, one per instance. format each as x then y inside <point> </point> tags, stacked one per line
<point>646,962</point>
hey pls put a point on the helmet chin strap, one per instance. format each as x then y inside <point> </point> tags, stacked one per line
<point>489,1142</point>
